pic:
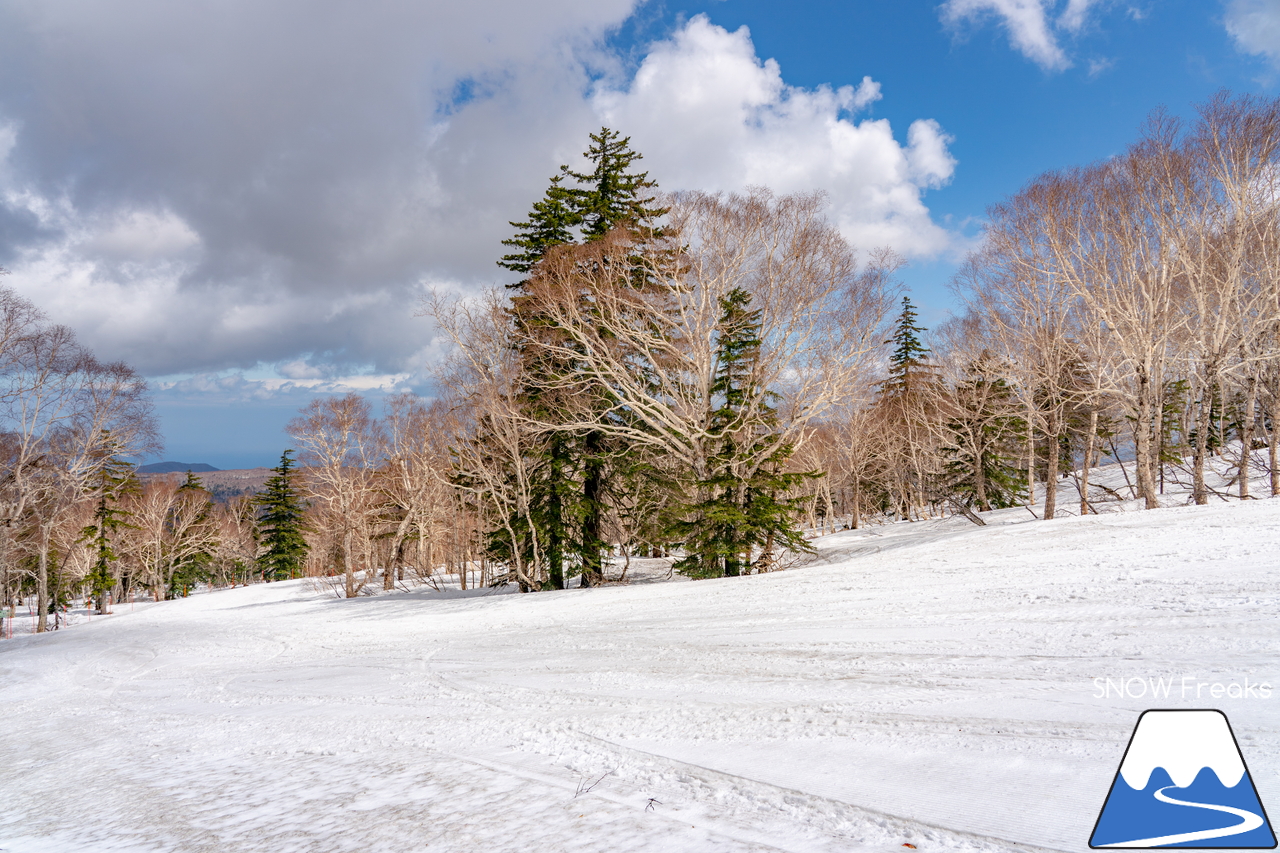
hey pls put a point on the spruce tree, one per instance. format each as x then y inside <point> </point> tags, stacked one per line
<point>983,467</point>
<point>191,567</point>
<point>551,223</point>
<point>742,503</point>
<point>908,362</point>
<point>115,480</point>
<point>907,401</point>
<point>609,195</point>
<point>570,480</point>
<point>282,525</point>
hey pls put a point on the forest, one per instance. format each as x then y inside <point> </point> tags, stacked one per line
<point>712,378</point>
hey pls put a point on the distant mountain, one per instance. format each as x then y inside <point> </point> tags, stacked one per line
<point>176,467</point>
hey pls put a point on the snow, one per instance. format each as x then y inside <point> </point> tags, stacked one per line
<point>1183,743</point>
<point>955,687</point>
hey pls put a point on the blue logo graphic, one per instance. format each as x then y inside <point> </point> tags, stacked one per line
<point>1183,783</point>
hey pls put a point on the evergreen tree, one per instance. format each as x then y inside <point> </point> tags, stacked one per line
<point>741,504</point>
<point>908,362</point>
<point>551,223</point>
<point>191,567</point>
<point>906,404</point>
<point>571,479</point>
<point>282,525</point>
<point>984,457</point>
<point>115,480</point>
<point>609,195</point>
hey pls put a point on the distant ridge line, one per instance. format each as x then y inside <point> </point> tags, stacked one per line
<point>176,467</point>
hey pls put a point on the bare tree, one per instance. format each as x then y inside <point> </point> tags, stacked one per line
<point>338,443</point>
<point>171,526</point>
<point>413,479</point>
<point>236,546</point>
<point>494,448</point>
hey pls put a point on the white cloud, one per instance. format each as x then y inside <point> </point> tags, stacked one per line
<point>708,114</point>
<point>1074,17</point>
<point>1098,67</point>
<point>1255,27</point>
<point>204,189</point>
<point>236,388</point>
<point>1026,21</point>
<point>1032,28</point>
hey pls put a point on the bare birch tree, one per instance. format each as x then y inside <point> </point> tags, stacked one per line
<point>338,444</point>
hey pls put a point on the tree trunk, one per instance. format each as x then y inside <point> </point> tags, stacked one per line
<point>1273,446</point>
<point>1089,444</point>
<point>1142,433</point>
<point>42,588</point>
<point>1031,456</point>
<point>1199,493</point>
<point>592,497</point>
<point>347,568</point>
<point>980,477</point>
<point>856,519</point>
<point>1246,436</point>
<point>1052,448</point>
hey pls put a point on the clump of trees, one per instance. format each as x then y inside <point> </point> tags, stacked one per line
<point>68,419</point>
<point>1141,295</point>
<point>712,377</point>
<point>647,385</point>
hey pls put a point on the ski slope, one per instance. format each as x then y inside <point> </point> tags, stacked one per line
<point>930,683</point>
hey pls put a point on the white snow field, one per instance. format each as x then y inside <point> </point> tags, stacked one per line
<point>928,684</point>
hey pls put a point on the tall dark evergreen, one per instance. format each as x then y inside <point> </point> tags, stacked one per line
<point>907,404</point>
<point>571,475</point>
<point>281,524</point>
<point>551,222</point>
<point>609,194</point>
<point>983,461</point>
<point>909,359</point>
<point>742,502</point>
<point>115,480</point>
<point>193,567</point>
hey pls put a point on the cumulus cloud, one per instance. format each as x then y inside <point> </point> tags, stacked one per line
<point>1031,24</point>
<point>208,189</point>
<point>236,388</point>
<point>709,114</point>
<point>211,186</point>
<point>1254,25</point>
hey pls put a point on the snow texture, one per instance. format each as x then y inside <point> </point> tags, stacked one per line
<point>932,683</point>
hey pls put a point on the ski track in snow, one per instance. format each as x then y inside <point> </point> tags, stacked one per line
<point>929,683</point>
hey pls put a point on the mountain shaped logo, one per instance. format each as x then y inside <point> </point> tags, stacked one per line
<point>1183,783</point>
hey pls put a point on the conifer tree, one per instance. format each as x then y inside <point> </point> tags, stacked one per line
<point>190,563</point>
<point>115,480</point>
<point>908,362</point>
<point>609,195</point>
<point>907,401</point>
<point>570,482</point>
<point>983,459</point>
<point>551,223</point>
<point>742,501</point>
<point>282,525</point>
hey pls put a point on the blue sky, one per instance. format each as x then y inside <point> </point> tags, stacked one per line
<point>246,201</point>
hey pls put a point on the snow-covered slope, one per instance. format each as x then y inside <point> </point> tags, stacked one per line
<point>937,683</point>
